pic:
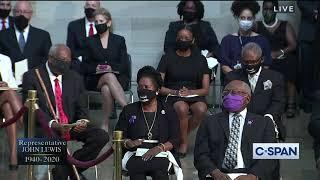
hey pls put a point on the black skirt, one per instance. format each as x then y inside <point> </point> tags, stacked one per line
<point>173,99</point>
<point>91,82</point>
<point>287,67</point>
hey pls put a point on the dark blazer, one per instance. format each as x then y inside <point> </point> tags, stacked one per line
<point>36,49</point>
<point>212,140</point>
<point>308,26</point>
<point>270,101</point>
<point>72,91</point>
<point>169,127</point>
<point>116,57</point>
<point>76,37</point>
<point>207,40</point>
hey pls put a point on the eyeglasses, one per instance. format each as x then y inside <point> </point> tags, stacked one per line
<point>21,12</point>
<point>253,62</point>
<point>230,91</point>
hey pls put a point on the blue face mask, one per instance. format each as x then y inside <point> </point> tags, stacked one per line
<point>245,24</point>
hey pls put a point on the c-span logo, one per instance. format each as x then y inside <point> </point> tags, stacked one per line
<point>275,150</point>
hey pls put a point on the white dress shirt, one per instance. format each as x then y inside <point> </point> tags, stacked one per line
<point>52,78</point>
<point>6,71</point>
<point>6,23</point>
<point>25,33</point>
<point>88,27</point>
<point>243,114</point>
<point>253,79</point>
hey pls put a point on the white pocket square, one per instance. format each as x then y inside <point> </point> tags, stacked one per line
<point>267,85</point>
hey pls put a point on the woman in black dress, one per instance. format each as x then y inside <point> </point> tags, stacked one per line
<point>106,63</point>
<point>282,39</point>
<point>148,124</point>
<point>185,72</point>
<point>191,13</point>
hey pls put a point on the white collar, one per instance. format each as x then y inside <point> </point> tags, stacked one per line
<point>257,74</point>
<point>26,30</point>
<point>87,22</point>
<point>51,75</point>
<point>243,113</point>
<point>6,19</point>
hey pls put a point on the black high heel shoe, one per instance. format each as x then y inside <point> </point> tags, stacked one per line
<point>13,167</point>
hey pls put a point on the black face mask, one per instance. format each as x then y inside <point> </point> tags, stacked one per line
<point>4,13</point>
<point>21,22</point>
<point>59,67</point>
<point>189,16</point>
<point>183,45</point>
<point>89,12</point>
<point>101,28</point>
<point>252,68</point>
<point>145,95</point>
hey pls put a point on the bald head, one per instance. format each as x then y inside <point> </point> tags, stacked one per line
<point>60,51</point>
<point>59,59</point>
<point>238,86</point>
<point>23,8</point>
<point>92,4</point>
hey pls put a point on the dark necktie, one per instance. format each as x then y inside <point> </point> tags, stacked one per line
<point>232,148</point>
<point>21,41</point>
<point>63,119</point>
<point>3,25</point>
<point>0,77</point>
<point>91,33</point>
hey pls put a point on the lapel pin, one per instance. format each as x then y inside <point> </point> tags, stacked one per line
<point>250,122</point>
<point>163,112</point>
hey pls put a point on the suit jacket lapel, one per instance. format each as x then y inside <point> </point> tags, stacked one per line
<point>247,130</point>
<point>65,93</point>
<point>13,39</point>
<point>29,41</point>
<point>83,28</point>
<point>259,85</point>
<point>224,122</point>
<point>45,77</point>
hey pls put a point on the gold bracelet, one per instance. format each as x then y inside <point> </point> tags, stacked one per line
<point>160,148</point>
<point>163,146</point>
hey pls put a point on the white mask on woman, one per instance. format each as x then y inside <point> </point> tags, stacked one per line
<point>245,24</point>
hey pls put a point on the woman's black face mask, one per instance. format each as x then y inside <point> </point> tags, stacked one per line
<point>183,45</point>
<point>145,95</point>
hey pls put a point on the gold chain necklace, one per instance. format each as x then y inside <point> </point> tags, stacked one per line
<point>149,128</point>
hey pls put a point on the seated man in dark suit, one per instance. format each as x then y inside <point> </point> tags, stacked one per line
<point>6,21</point>
<point>78,30</point>
<point>267,86</point>
<point>24,41</point>
<point>224,141</point>
<point>67,106</point>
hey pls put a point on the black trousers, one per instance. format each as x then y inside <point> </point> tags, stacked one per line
<point>94,140</point>
<point>157,168</point>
